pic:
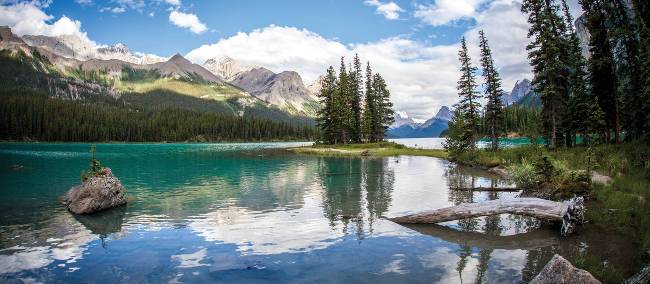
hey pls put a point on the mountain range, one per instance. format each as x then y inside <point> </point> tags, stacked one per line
<point>117,71</point>
<point>522,94</point>
<point>405,127</point>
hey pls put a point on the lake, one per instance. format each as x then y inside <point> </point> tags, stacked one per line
<point>259,213</point>
<point>437,143</point>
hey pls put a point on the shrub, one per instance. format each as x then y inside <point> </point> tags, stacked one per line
<point>526,175</point>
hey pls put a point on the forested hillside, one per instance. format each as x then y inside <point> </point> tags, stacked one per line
<point>39,102</point>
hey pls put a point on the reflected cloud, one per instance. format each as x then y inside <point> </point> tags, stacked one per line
<point>191,259</point>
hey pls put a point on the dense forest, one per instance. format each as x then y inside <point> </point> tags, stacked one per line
<point>350,115</point>
<point>604,98</point>
<point>28,115</point>
<point>37,102</point>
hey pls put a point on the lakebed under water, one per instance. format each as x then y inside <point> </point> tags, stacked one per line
<point>257,212</point>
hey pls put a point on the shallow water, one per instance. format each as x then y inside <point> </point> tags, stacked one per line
<point>258,213</point>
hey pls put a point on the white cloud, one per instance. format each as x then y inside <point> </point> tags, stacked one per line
<point>114,10</point>
<point>27,19</point>
<point>277,48</point>
<point>421,78</point>
<point>83,2</point>
<point>173,2</point>
<point>506,29</point>
<point>443,12</point>
<point>186,20</point>
<point>390,10</point>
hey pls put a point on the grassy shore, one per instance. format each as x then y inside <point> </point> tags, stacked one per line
<point>379,149</point>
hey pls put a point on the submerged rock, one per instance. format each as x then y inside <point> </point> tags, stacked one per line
<point>559,270</point>
<point>100,192</point>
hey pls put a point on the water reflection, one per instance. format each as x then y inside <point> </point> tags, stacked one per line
<point>356,192</point>
<point>201,215</point>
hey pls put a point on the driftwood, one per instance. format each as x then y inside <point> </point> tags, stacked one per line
<point>481,188</point>
<point>569,212</point>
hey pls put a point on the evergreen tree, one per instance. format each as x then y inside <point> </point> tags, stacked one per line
<point>369,107</point>
<point>326,114</point>
<point>642,11</point>
<point>584,114</point>
<point>549,62</point>
<point>493,92</point>
<point>343,103</point>
<point>601,66</point>
<point>356,92</point>
<point>468,105</point>
<point>623,36</point>
<point>384,116</point>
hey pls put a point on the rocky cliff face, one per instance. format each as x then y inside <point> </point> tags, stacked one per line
<point>583,35</point>
<point>315,86</point>
<point>226,67</point>
<point>520,90</point>
<point>285,90</point>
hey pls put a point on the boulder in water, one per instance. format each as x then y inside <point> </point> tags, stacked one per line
<point>560,271</point>
<point>97,193</point>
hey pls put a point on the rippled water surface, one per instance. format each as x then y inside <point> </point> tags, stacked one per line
<point>258,213</point>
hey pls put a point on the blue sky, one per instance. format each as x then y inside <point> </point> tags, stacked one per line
<point>412,43</point>
<point>344,20</point>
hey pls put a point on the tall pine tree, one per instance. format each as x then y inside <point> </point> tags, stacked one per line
<point>549,65</point>
<point>326,115</point>
<point>493,92</point>
<point>343,103</point>
<point>642,11</point>
<point>468,106</point>
<point>369,107</point>
<point>356,93</point>
<point>584,114</point>
<point>384,116</point>
<point>602,80</point>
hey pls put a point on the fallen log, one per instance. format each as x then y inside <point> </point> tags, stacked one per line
<point>569,212</point>
<point>481,188</point>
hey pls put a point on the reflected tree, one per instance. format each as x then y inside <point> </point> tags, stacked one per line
<point>356,191</point>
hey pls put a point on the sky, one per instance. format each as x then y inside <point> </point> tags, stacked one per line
<point>412,43</point>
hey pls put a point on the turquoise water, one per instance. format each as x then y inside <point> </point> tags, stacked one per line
<point>437,143</point>
<point>258,213</point>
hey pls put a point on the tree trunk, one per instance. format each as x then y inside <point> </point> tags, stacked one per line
<point>568,212</point>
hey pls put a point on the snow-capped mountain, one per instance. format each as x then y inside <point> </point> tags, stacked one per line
<point>71,46</point>
<point>433,127</point>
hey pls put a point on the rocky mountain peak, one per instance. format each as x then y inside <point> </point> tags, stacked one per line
<point>315,86</point>
<point>444,113</point>
<point>226,67</point>
<point>520,89</point>
<point>178,58</point>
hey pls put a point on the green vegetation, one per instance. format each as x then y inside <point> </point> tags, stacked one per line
<point>95,167</point>
<point>341,120</point>
<point>142,81</point>
<point>376,149</point>
<point>27,115</point>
